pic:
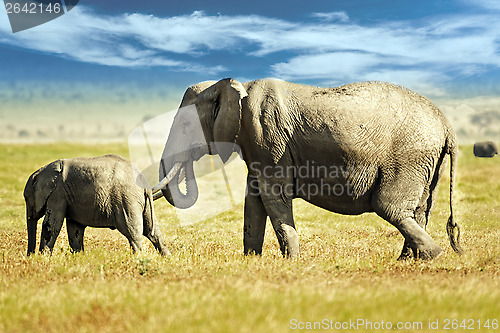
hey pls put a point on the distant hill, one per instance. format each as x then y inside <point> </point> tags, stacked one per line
<point>83,112</point>
<point>474,119</point>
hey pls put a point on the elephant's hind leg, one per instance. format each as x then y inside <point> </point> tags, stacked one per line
<point>422,245</point>
<point>134,240</point>
<point>156,237</point>
<point>131,226</point>
<point>426,203</point>
<point>396,202</point>
<point>422,218</point>
<point>75,235</point>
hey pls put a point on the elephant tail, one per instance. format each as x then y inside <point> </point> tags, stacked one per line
<point>151,228</point>
<point>452,227</point>
<point>148,213</point>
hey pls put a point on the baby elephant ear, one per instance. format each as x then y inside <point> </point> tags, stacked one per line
<point>229,94</point>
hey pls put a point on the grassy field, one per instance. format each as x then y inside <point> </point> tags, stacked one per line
<point>347,278</point>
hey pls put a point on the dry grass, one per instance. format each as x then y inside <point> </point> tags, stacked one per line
<point>347,270</point>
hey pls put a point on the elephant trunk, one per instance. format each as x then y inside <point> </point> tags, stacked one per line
<point>168,177</point>
<point>32,215</point>
<point>31,224</point>
<point>172,192</point>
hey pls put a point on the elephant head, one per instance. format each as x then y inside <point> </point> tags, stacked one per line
<point>38,189</point>
<point>207,122</point>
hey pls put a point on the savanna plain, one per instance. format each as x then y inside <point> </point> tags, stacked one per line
<point>347,272</point>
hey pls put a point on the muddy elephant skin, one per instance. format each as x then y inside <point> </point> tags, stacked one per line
<point>365,147</point>
<point>101,192</point>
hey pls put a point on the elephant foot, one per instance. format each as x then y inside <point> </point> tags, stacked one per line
<point>406,252</point>
<point>406,255</point>
<point>46,251</point>
<point>418,240</point>
<point>164,251</point>
<point>429,253</point>
<point>426,254</point>
<point>290,246</point>
<point>252,252</point>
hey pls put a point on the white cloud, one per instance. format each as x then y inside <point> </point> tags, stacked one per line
<point>488,4</point>
<point>333,16</point>
<point>106,40</point>
<point>337,68</point>
<point>421,57</point>
<point>416,53</point>
<point>339,65</point>
<point>426,82</point>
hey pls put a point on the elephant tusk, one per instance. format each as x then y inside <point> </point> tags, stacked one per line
<point>175,169</point>
<point>157,195</point>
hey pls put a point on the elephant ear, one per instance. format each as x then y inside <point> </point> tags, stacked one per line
<point>227,114</point>
<point>44,183</point>
<point>192,92</point>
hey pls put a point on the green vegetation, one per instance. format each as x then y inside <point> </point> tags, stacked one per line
<point>347,271</point>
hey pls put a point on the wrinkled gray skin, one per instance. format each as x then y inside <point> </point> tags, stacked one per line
<point>391,141</point>
<point>99,192</point>
<point>485,149</point>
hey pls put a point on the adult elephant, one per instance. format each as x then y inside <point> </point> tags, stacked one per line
<point>362,147</point>
<point>485,149</point>
<point>103,192</point>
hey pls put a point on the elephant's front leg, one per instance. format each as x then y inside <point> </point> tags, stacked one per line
<point>75,235</point>
<point>52,223</point>
<point>255,219</point>
<point>278,204</point>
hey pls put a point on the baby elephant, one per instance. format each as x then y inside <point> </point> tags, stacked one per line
<point>102,192</point>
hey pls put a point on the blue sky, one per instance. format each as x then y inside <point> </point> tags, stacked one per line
<point>443,49</point>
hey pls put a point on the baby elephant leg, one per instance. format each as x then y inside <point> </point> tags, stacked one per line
<point>134,237</point>
<point>136,245</point>
<point>131,227</point>
<point>75,235</point>
<point>156,238</point>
